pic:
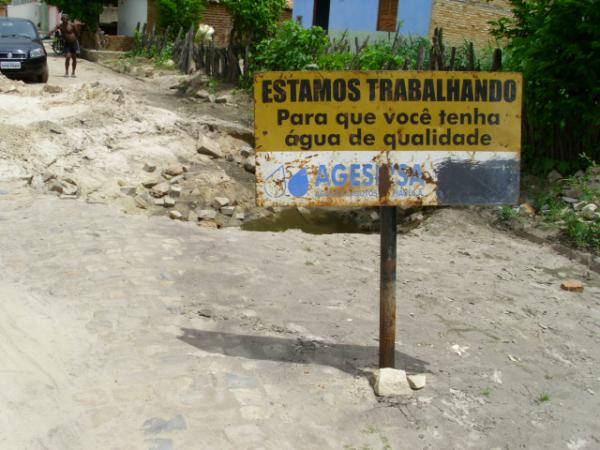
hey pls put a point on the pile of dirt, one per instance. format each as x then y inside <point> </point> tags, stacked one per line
<point>8,86</point>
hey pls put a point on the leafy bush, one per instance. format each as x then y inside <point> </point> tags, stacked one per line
<point>176,14</point>
<point>556,44</point>
<point>254,20</point>
<point>292,48</point>
<point>380,55</point>
<point>159,55</point>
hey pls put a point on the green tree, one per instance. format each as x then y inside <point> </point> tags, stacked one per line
<point>254,20</point>
<point>291,48</point>
<point>87,11</point>
<point>556,44</point>
<point>176,14</point>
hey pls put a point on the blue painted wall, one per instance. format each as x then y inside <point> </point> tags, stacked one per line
<point>415,16</point>
<point>356,15</point>
<point>304,8</point>
<point>361,15</point>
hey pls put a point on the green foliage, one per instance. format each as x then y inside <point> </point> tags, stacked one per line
<point>577,230</point>
<point>507,213</point>
<point>87,11</point>
<point>291,48</point>
<point>556,44</point>
<point>294,47</point>
<point>584,233</point>
<point>160,56</point>
<point>176,14</point>
<point>254,20</point>
<point>380,55</point>
<point>544,397</point>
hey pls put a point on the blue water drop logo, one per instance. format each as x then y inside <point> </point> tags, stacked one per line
<point>298,184</point>
<point>275,184</point>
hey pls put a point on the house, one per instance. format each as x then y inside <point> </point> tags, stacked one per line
<point>218,17</point>
<point>134,12</point>
<point>461,19</point>
<point>44,16</point>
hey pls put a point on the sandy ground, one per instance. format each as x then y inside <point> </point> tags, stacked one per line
<point>99,130</point>
<point>122,331</point>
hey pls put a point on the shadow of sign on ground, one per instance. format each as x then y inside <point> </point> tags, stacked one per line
<point>345,357</point>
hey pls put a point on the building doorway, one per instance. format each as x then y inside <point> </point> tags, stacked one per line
<point>321,14</point>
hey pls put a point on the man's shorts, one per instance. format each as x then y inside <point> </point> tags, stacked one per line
<point>72,48</point>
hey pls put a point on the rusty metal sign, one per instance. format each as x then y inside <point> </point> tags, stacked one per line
<point>353,138</point>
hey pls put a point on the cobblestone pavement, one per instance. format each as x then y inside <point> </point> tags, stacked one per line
<point>128,332</point>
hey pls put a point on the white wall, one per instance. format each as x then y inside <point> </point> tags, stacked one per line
<point>53,17</point>
<point>29,11</point>
<point>130,13</point>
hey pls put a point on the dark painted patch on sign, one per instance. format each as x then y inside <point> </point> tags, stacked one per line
<point>478,182</point>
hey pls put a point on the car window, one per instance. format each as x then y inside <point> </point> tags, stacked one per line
<point>15,28</point>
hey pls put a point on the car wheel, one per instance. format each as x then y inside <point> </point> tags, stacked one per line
<point>43,77</point>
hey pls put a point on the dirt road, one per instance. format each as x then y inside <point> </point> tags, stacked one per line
<point>122,331</point>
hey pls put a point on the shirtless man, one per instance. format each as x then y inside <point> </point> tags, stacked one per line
<point>69,31</point>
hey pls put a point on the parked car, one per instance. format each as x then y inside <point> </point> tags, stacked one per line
<point>22,53</point>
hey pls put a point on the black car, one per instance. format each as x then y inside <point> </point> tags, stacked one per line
<point>22,54</point>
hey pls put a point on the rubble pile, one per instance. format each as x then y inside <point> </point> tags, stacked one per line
<point>8,86</point>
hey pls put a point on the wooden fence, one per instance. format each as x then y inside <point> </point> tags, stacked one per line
<point>230,63</point>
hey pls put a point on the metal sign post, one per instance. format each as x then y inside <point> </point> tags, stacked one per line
<point>387,288</point>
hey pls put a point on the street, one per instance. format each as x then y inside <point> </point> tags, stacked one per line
<point>123,329</point>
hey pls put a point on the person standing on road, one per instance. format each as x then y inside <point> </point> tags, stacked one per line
<point>69,32</point>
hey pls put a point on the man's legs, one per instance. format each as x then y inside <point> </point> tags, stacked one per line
<point>74,66</point>
<point>67,60</point>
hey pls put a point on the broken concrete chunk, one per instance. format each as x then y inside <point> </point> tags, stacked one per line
<point>554,176</point>
<point>391,382</point>
<point>221,99</point>
<point>207,214</point>
<point>207,146</point>
<point>52,89</point>
<point>128,190</point>
<point>208,224</point>
<point>219,202</point>
<point>417,382</point>
<point>569,200</point>
<point>160,190</point>
<point>169,202</point>
<point>228,210</point>
<point>55,186</point>
<point>149,167</point>
<point>175,215</point>
<point>572,286</point>
<point>589,211</point>
<point>143,201</point>
<point>175,191</point>
<point>151,182</point>
<point>173,170</point>
<point>159,201</point>
<point>202,94</point>
<point>192,216</point>
<point>240,216</point>
<point>579,206</point>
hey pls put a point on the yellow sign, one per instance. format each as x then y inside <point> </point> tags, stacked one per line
<point>389,110</point>
<point>322,138</point>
